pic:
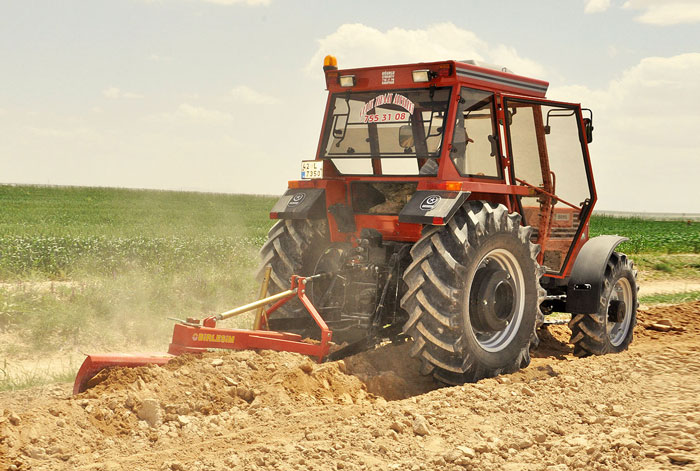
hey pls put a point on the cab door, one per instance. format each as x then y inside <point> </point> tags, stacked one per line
<point>548,154</point>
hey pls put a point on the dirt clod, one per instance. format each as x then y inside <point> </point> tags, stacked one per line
<point>14,419</point>
<point>467,452</point>
<point>660,327</point>
<point>150,412</point>
<point>681,459</point>
<point>420,425</point>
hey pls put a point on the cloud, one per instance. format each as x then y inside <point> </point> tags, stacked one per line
<point>665,13</point>
<point>596,6</point>
<point>252,3</point>
<point>64,133</point>
<point>190,113</point>
<point>113,93</point>
<point>643,144</point>
<point>158,58</point>
<point>248,95</point>
<point>357,45</point>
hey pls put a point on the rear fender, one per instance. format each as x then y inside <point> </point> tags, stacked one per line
<point>301,203</point>
<point>586,281</point>
<point>432,207</point>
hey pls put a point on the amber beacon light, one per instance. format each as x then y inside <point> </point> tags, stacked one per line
<point>330,63</point>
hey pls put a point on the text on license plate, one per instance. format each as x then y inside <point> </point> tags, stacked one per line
<point>311,169</point>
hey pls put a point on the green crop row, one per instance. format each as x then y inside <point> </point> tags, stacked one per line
<point>57,257</point>
<point>57,232</point>
<point>647,236</point>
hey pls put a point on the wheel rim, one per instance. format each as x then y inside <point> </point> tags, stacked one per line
<point>497,300</point>
<point>617,331</point>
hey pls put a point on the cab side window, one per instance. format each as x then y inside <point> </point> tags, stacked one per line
<point>475,149</point>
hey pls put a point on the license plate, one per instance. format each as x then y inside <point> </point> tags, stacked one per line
<point>311,169</point>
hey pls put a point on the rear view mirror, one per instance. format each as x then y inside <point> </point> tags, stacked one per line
<point>588,128</point>
<point>406,136</point>
<point>509,116</point>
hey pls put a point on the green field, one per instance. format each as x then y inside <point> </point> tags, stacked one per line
<point>102,268</point>
<point>56,233</point>
<point>657,237</point>
<point>88,268</point>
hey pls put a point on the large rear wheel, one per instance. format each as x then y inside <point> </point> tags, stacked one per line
<point>473,295</point>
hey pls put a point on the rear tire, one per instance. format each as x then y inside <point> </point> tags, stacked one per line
<point>605,332</point>
<point>473,295</point>
<point>293,247</point>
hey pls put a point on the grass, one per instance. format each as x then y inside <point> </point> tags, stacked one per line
<point>660,266</point>
<point>12,381</point>
<point>671,298</point>
<point>647,236</point>
<point>79,212</point>
<point>61,233</point>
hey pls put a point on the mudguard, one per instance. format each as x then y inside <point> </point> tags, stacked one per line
<point>301,203</point>
<point>586,281</point>
<point>433,207</point>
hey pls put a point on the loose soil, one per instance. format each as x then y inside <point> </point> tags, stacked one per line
<point>279,411</point>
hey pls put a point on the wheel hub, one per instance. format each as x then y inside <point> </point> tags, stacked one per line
<point>620,306</point>
<point>493,299</point>
<point>617,310</point>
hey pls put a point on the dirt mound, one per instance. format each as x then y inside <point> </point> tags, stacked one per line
<point>190,393</point>
<point>204,385</point>
<point>681,318</point>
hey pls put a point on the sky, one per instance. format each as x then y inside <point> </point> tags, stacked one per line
<point>228,95</point>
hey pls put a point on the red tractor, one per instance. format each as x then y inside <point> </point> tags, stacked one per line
<point>448,205</point>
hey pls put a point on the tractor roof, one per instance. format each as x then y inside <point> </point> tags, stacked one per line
<point>444,73</point>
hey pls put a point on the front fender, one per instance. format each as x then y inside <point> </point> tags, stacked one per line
<point>588,273</point>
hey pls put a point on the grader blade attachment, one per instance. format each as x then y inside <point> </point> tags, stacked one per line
<point>194,336</point>
<point>95,363</point>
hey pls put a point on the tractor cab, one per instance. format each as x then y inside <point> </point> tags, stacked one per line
<point>405,146</point>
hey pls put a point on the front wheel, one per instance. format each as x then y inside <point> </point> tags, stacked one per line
<point>609,330</point>
<point>473,295</point>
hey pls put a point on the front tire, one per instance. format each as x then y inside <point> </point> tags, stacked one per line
<point>611,329</point>
<point>473,295</point>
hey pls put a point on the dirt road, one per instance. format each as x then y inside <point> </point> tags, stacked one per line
<point>270,411</point>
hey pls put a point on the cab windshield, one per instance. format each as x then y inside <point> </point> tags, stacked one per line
<point>402,128</point>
